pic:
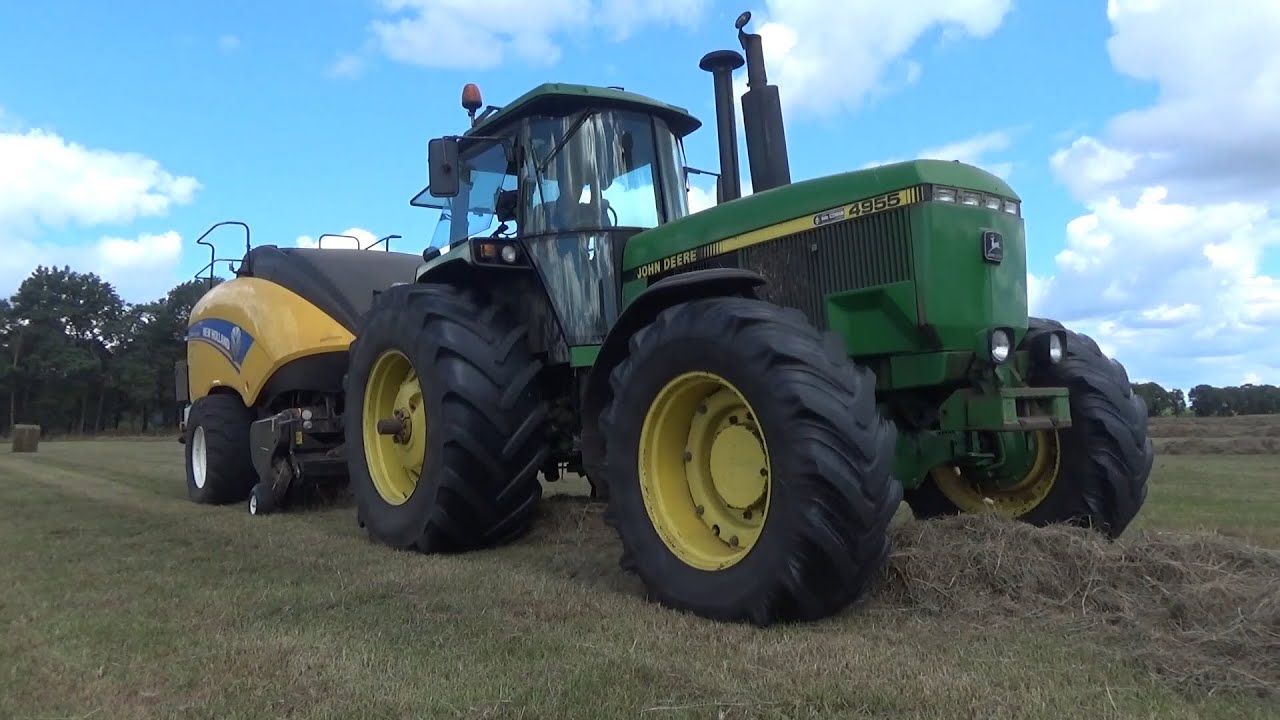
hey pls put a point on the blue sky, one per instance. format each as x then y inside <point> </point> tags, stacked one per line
<point>304,118</point>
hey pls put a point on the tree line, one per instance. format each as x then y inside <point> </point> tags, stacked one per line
<point>1209,401</point>
<point>78,360</point>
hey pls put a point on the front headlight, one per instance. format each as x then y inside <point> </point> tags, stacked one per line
<point>1055,348</point>
<point>1001,345</point>
<point>1049,348</point>
<point>973,198</point>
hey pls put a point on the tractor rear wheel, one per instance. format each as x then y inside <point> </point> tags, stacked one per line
<point>445,425</point>
<point>219,463</point>
<point>1093,474</point>
<point>749,470</point>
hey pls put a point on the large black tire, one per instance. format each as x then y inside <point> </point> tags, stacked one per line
<point>486,420</point>
<point>218,457</point>
<point>1105,456</point>
<point>831,496</point>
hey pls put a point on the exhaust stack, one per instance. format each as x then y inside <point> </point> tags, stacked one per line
<point>721,64</point>
<point>762,117</point>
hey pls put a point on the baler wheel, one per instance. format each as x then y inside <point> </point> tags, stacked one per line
<point>219,464</point>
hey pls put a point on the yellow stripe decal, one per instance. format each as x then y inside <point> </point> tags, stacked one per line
<point>862,208</point>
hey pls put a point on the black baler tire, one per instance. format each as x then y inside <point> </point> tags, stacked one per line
<point>825,538</point>
<point>1106,454</point>
<point>486,420</point>
<point>229,473</point>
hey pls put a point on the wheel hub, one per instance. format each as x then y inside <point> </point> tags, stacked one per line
<point>199,457</point>
<point>738,467</point>
<point>704,471</point>
<point>395,431</point>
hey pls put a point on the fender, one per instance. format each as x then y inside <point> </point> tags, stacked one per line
<point>693,285</point>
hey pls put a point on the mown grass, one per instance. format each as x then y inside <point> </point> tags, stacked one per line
<point>121,599</point>
<point>1238,435</point>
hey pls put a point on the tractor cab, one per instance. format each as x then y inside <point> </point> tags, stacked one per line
<point>562,176</point>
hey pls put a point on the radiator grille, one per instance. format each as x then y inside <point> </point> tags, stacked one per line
<point>802,268</point>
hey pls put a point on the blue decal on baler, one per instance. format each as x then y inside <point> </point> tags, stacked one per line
<point>231,340</point>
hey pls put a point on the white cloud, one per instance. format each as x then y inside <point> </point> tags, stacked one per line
<point>462,34</point>
<point>47,180</point>
<point>141,268</point>
<point>1167,265</point>
<point>804,39</point>
<point>1162,282</point>
<point>1212,132</point>
<point>973,151</point>
<point>363,238</point>
<point>348,65</point>
<point>701,198</point>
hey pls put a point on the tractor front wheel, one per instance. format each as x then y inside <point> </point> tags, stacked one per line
<point>444,421</point>
<point>749,470</point>
<point>1093,474</point>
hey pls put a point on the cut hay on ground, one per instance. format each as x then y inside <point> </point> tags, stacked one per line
<point>1202,610</point>
<point>1217,445</point>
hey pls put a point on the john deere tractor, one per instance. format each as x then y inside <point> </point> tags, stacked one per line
<point>752,389</point>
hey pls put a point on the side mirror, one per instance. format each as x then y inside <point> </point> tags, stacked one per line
<point>442,167</point>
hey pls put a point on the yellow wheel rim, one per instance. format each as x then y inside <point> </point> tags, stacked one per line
<point>704,471</point>
<point>1015,500</point>
<point>394,460</point>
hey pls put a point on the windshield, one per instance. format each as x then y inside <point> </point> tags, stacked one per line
<point>482,176</point>
<point>605,169</point>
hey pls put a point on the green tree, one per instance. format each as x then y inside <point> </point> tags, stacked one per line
<point>68,320</point>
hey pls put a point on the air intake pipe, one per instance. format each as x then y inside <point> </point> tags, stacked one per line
<point>762,117</point>
<point>721,64</point>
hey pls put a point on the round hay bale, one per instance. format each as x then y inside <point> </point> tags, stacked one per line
<point>26,438</point>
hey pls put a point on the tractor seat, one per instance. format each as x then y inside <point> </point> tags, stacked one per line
<point>341,282</point>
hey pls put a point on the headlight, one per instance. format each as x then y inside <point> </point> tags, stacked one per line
<point>1001,344</point>
<point>509,253</point>
<point>973,198</point>
<point>1055,348</point>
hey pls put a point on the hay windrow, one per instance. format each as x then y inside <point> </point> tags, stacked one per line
<point>1200,610</point>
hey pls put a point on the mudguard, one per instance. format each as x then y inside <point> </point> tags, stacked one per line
<point>691,285</point>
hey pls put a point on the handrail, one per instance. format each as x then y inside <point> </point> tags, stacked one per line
<point>320,240</point>
<point>246,263</point>
<point>386,239</point>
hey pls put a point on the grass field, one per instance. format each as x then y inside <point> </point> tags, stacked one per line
<point>121,599</point>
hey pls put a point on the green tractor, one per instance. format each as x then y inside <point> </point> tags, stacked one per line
<point>752,389</point>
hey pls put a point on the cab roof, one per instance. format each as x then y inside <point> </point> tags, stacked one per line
<point>557,99</point>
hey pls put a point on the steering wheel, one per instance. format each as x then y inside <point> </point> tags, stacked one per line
<point>608,208</point>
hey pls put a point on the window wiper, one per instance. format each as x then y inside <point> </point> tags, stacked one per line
<point>568,135</point>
